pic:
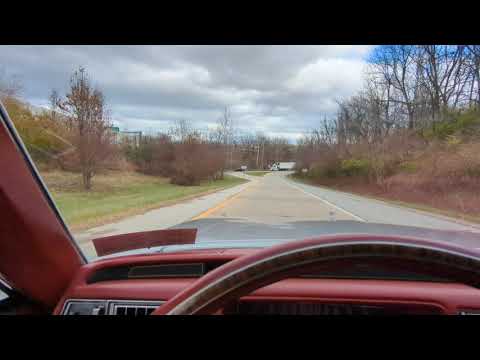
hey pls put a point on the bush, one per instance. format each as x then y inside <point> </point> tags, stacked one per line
<point>408,167</point>
<point>465,123</point>
<point>470,158</point>
<point>355,167</point>
<point>186,162</point>
<point>42,136</point>
<point>153,156</point>
<point>195,161</point>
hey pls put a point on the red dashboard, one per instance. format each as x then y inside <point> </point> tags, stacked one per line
<point>388,291</point>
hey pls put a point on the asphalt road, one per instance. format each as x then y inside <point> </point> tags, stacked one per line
<point>272,205</point>
<point>277,198</point>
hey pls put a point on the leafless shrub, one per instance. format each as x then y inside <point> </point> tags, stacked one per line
<point>10,85</point>
<point>153,156</point>
<point>195,161</point>
<point>89,128</point>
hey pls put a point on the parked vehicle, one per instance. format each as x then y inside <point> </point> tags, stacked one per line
<point>282,166</point>
<point>242,168</point>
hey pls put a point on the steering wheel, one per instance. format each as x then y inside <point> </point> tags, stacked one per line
<point>241,276</point>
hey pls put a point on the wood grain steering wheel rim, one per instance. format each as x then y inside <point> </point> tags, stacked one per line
<point>248,273</point>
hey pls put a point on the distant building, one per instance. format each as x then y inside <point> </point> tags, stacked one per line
<point>126,137</point>
<point>131,137</point>
<point>115,134</point>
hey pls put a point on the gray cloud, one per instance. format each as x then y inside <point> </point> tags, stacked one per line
<point>280,90</point>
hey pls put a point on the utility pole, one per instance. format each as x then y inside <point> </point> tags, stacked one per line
<point>231,155</point>
<point>263,153</point>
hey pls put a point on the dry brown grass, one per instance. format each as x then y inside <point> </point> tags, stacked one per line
<point>443,176</point>
<point>108,181</point>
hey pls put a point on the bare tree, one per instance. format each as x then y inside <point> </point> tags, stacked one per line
<point>474,56</point>
<point>182,130</point>
<point>423,81</point>
<point>223,135</point>
<point>396,66</point>
<point>10,85</point>
<point>445,75</point>
<point>54,99</point>
<point>89,125</point>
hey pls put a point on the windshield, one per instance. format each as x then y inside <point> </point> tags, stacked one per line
<point>252,145</point>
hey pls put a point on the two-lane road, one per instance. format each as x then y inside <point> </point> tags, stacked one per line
<point>275,206</point>
<point>278,208</point>
<point>273,200</point>
<point>276,199</point>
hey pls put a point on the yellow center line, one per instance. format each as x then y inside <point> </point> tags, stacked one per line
<point>222,204</point>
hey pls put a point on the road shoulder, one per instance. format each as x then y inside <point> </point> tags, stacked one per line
<point>386,202</point>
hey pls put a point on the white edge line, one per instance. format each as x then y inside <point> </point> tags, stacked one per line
<point>468,226</point>
<point>326,202</point>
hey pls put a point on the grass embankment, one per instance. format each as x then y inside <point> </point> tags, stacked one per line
<point>435,169</point>
<point>119,194</point>
<point>257,173</point>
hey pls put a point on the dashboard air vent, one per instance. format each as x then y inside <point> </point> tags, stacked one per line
<point>469,312</point>
<point>299,308</point>
<point>133,308</point>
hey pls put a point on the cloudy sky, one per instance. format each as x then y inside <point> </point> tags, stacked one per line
<point>278,90</point>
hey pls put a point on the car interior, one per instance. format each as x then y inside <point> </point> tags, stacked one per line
<point>42,270</point>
